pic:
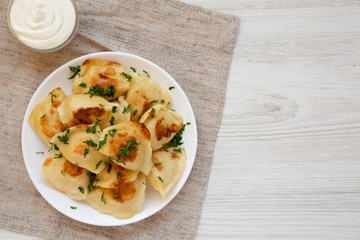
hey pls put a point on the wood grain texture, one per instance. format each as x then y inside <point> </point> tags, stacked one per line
<point>287,160</point>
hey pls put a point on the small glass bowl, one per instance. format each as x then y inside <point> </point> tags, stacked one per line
<point>61,45</point>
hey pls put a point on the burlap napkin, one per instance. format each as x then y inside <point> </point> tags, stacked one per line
<point>193,44</point>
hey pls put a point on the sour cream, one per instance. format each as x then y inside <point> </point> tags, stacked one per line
<point>43,25</point>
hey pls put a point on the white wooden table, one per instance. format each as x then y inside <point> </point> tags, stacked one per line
<point>287,160</point>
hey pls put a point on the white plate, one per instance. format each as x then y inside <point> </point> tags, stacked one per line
<point>31,143</point>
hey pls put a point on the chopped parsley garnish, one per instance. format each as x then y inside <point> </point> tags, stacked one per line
<point>143,182</point>
<point>100,112</point>
<point>112,132</point>
<point>76,165</point>
<point>98,164</point>
<point>128,76</point>
<point>109,167</point>
<point>101,105</point>
<point>43,116</point>
<point>152,110</point>
<point>62,172</point>
<point>86,151</point>
<point>75,70</point>
<point>72,207</point>
<point>65,138</point>
<point>134,70</point>
<point>53,145</point>
<point>57,155</point>
<point>172,87</point>
<point>116,196</point>
<point>157,164</point>
<point>102,142</point>
<point>146,73</point>
<point>39,152</point>
<point>83,85</point>
<point>102,198</point>
<point>52,95</point>
<point>135,112</point>
<point>154,101</point>
<point>130,144</point>
<point>114,108</point>
<point>90,143</point>
<point>162,101</point>
<point>81,189</point>
<point>117,176</point>
<point>92,129</point>
<point>92,180</point>
<point>112,120</point>
<point>161,180</point>
<point>100,91</point>
<point>126,109</point>
<point>176,140</point>
<point>172,109</point>
<point>117,160</point>
<point>177,150</point>
<point>188,123</point>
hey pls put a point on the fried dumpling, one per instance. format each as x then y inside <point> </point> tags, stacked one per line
<point>84,109</point>
<point>110,176</point>
<point>64,176</point>
<point>143,94</point>
<point>44,119</point>
<point>79,145</point>
<point>168,168</point>
<point>108,79</point>
<point>162,124</point>
<point>123,202</point>
<point>128,144</point>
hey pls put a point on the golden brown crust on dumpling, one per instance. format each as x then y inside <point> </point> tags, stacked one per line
<point>44,119</point>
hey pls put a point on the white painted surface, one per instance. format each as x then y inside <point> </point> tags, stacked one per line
<point>287,160</point>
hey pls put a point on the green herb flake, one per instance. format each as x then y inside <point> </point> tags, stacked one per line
<point>43,116</point>
<point>100,91</point>
<point>64,138</point>
<point>160,179</point>
<point>90,143</point>
<point>126,109</point>
<point>102,198</point>
<point>112,132</point>
<point>147,74</point>
<point>58,155</point>
<point>81,189</point>
<point>172,87</point>
<point>92,129</point>
<point>72,207</point>
<point>125,151</point>
<point>157,164</point>
<point>40,153</point>
<point>176,140</point>
<point>135,112</point>
<point>53,145</point>
<point>172,110</point>
<point>75,70</point>
<point>188,123</point>
<point>83,85</point>
<point>162,101</point>
<point>114,108</point>
<point>52,100</point>
<point>86,151</point>
<point>154,101</point>
<point>152,110</point>
<point>177,150</point>
<point>62,172</point>
<point>116,196</point>
<point>128,76</point>
<point>102,142</point>
<point>98,164</point>
<point>109,167</point>
<point>143,182</point>
<point>112,120</point>
<point>101,105</point>
<point>117,160</point>
<point>134,70</point>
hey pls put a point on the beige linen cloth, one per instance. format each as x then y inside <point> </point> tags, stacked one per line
<point>194,45</point>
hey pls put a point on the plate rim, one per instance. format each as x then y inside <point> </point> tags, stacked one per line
<point>92,55</point>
